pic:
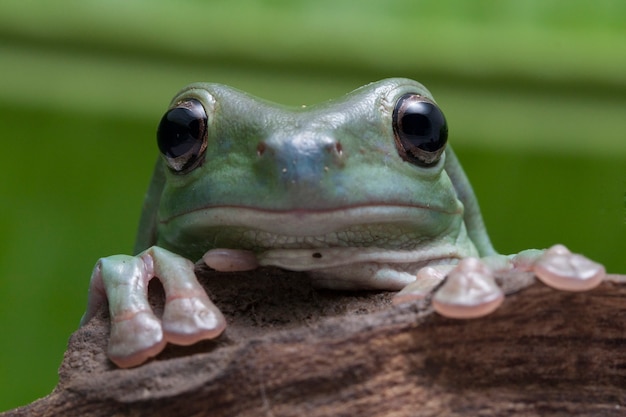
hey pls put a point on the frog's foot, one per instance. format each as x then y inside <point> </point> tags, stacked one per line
<point>136,333</point>
<point>469,289</point>
<point>559,268</point>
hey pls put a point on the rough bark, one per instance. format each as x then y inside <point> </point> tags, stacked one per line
<point>291,350</point>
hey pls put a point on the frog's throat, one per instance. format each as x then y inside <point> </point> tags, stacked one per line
<point>308,222</point>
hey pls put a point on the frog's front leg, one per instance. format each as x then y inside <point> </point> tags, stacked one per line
<point>136,333</point>
<point>470,288</point>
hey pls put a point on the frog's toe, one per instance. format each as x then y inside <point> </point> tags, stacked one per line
<point>468,292</point>
<point>188,320</point>
<point>230,260</point>
<point>561,269</point>
<point>135,339</point>
<point>427,279</point>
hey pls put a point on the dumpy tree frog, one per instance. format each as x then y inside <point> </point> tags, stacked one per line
<point>361,192</point>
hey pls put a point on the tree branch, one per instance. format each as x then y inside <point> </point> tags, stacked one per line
<point>291,350</point>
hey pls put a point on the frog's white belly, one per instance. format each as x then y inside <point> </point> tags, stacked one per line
<point>370,267</point>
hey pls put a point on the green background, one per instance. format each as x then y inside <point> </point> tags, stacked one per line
<point>534,92</point>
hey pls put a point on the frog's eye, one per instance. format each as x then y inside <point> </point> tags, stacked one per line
<point>420,130</point>
<point>182,135</point>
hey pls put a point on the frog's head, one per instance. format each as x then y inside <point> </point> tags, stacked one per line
<point>237,168</point>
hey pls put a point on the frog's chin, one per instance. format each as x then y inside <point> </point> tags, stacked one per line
<point>306,223</point>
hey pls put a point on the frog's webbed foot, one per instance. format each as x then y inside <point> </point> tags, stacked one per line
<point>136,333</point>
<point>469,289</point>
<point>561,269</point>
<point>465,290</point>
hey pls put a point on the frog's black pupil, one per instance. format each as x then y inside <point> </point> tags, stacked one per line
<point>424,126</point>
<point>420,128</point>
<point>181,129</point>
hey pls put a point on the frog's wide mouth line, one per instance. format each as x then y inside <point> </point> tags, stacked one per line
<point>309,222</point>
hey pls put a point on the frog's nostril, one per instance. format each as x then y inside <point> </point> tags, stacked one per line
<point>334,155</point>
<point>260,148</point>
<point>336,148</point>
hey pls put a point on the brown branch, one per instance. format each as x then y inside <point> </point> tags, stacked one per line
<point>292,351</point>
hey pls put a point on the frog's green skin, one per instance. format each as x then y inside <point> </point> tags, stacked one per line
<point>323,189</point>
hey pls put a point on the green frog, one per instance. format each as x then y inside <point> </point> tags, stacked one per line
<point>362,192</point>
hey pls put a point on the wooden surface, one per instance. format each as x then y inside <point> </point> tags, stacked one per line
<point>291,350</point>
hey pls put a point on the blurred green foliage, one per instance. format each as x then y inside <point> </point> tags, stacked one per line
<point>534,91</point>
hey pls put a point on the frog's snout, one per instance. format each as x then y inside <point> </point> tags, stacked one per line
<point>301,159</point>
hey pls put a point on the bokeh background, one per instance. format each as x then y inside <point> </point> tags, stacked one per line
<point>534,92</point>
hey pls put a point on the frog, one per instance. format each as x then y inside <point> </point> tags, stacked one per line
<point>360,193</point>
